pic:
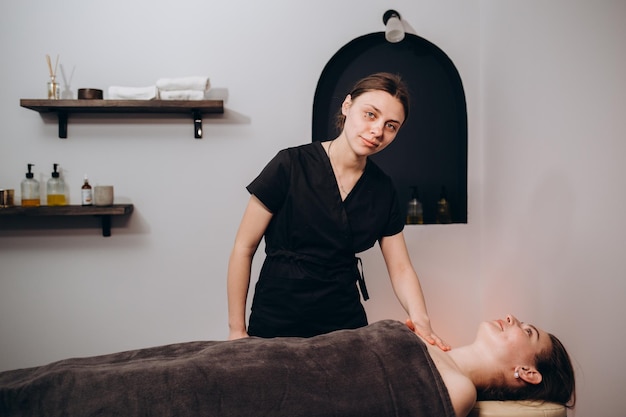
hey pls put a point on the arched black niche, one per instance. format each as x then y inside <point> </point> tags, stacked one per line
<point>430,150</point>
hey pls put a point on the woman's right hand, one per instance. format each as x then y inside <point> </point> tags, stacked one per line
<point>430,337</point>
<point>237,334</point>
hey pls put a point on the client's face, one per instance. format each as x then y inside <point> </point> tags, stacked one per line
<point>513,342</point>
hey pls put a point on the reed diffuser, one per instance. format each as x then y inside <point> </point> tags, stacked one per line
<point>53,86</point>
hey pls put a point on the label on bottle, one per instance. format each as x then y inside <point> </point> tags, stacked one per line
<point>86,197</point>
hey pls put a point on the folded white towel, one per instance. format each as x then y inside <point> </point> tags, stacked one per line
<point>183,83</point>
<point>181,95</point>
<point>132,93</point>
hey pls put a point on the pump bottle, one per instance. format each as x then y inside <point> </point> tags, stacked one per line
<point>56,189</point>
<point>30,189</point>
<point>415,212</point>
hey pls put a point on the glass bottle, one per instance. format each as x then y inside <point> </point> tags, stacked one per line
<point>30,190</point>
<point>53,88</point>
<point>86,193</point>
<point>56,189</point>
<point>415,212</point>
<point>443,208</point>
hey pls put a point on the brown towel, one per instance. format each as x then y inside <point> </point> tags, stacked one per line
<point>379,370</point>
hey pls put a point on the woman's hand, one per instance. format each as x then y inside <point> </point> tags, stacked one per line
<point>237,334</point>
<point>427,333</point>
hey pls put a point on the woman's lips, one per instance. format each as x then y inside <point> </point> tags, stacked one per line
<point>369,143</point>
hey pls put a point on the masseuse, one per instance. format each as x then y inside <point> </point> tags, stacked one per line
<point>317,205</point>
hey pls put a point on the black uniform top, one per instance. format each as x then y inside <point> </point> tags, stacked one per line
<point>308,276</point>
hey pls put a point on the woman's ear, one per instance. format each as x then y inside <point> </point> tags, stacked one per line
<point>347,102</point>
<point>529,374</point>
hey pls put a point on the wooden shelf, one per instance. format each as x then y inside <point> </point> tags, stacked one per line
<point>105,212</point>
<point>194,108</point>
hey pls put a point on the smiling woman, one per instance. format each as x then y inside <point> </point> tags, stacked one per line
<point>375,117</point>
<point>550,374</point>
<point>508,360</point>
<point>318,205</point>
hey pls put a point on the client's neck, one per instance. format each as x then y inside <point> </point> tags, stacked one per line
<point>474,364</point>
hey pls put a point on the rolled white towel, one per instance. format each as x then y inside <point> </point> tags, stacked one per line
<point>132,93</point>
<point>181,95</point>
<point>183,83</point>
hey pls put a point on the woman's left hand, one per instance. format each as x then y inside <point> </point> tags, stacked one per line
<point>427,333</point>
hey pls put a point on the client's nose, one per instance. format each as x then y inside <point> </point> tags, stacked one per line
<point>511,319</point>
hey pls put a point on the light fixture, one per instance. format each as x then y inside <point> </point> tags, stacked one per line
<point>394,30</point>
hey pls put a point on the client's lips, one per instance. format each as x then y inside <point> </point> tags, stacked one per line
<point>500,323</point>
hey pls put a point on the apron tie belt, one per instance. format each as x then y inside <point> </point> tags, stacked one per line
<point>361,280</point>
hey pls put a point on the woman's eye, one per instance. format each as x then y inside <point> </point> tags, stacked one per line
<point>369,115</point>
<point>391,127</point>
<point>529,331</point>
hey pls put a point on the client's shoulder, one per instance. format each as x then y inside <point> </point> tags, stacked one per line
<point>461,389</point>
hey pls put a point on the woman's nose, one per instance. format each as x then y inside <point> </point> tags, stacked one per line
<point>511,319</point>
<point>376,129</point>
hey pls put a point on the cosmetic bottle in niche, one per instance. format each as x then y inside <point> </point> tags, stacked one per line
<point>86,193</point>
<point>415,212</point>
<point>30,189</point>
<point>56,189</point>
<point>443,208</point>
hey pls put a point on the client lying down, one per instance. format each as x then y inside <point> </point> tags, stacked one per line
<point>379,370</point>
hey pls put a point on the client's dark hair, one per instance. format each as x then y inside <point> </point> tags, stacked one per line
<point>382,81</point>
<point>558,384</point>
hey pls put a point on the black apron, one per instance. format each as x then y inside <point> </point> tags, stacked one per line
<point>300,297</point>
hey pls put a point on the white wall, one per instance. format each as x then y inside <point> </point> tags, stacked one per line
<point>543,236</point>
<point>554,95</point>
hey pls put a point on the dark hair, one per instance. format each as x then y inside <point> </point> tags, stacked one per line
<point>558,384</point>
<point>382,81</point>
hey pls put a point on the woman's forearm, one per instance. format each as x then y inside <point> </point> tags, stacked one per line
<point>409,292</point>
<point>407,287</point>
<point>238,283</point>
<point>251,230</point>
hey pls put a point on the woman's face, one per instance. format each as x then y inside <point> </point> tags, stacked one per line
<point>372,121</point>
<point>512,342</point>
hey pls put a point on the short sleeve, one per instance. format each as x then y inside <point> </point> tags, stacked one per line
<point>272,184</point>
<point>396,220</point>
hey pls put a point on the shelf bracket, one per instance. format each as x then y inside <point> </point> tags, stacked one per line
<point>106,225</point>
<point>197,124</point>
<point>62,124</point>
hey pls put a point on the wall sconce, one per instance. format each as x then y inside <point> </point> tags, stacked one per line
<point>394,30</point>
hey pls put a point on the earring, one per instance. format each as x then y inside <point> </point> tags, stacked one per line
<point>516,375</point>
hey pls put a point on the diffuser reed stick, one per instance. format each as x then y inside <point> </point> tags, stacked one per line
<point>53,86</point>
<point>56,63</point>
